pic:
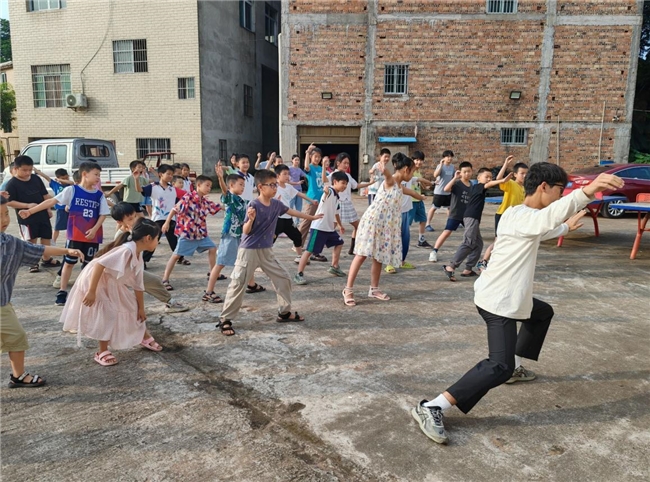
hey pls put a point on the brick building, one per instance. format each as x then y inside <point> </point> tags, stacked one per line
<point>540,79</point>
<point>198,78</point>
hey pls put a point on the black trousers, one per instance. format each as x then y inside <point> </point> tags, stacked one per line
<point>286,226</point>
<point>503,344</point>
<point>171,239</point>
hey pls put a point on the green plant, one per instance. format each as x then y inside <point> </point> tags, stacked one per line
<point>639,157</point>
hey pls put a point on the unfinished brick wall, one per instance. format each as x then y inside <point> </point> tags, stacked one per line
<point>328,6</point>
<point>579,147</point>
<point>452,6</point>
<point>597,7</point>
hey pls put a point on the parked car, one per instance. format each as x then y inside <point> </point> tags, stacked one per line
<point>636,176</point>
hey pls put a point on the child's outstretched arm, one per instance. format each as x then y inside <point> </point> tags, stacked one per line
<point>361,185</point>
<point>218,169</point>
<point>25,213</point>
<point>258,161</point>
<point>326,164</point>
<point>54,251</point>
<point>308,199</point>
<point>496,182</point>
<point>95,276</point>
<point>43,175</point>
<point>308,157</point>
<point>297,214</point>
<point>451,183</point>
<point>114,190</point>
<point>412,193</point>
<point>388,176</point>
<point>505,167</point>
<point>425,182</point>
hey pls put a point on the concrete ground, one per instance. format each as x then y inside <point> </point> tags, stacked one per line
<point>329,400</point>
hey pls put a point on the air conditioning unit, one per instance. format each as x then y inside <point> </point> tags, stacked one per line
<point>75,101</point>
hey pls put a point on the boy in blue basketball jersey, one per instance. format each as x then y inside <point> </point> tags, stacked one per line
<point>87,209</point>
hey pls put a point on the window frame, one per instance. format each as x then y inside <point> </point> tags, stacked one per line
<point>57,156</point>
<point>499,7</point>
<point>223,149</point>
<point>136,58</point>
<point>247,21</point>
<point>3,78</point>
<point>622,172</point>
<point>271,20</point>
<point>248,101</point>
<point>60,4</point>
<point>41,75</point>
<point>513,136</point>
<point>156,142</point>
<point>394,76</point>
<point>186,92</point>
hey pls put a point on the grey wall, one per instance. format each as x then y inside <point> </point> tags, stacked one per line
<point>231,56</point>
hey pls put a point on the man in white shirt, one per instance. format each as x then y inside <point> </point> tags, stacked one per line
<point>504,292</point>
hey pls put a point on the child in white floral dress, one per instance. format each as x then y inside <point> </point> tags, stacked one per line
<point>379,232</point>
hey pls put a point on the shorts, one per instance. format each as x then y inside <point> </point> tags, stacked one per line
<point>39,229</point>
<point>88,249</point>
<point>453,224</point>
<point>12,334</point>
<point>227,252</point>
<point>61,220</point>
<point>136,206</point>
<point>497,218</point>
<point>348,214</point>
<point>417,214</point>
<point>441,201</point>
<point>187,247</point>
<point>319,239</point>
<point>147,201</point>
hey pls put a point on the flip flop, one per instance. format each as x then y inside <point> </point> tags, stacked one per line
<point>469,275</point>
<point>286,317</point>
<point>450,274</point>
<point>151,344</point>
<point>51,263</point>
<point>105,359</point>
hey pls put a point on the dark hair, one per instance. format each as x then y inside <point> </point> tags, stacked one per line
<point>418,155</point>
<point>385,150</point>
<point>176,165</point>
<point>142,227</point>
<point>201,179</point>
<point>465,164</point>
<point>243,156</point>
<point>21,161</point>
<point>163,168</point>
<point>316,150</point>
<point>60,172</point>
<point>233,178</point>
<point>447,153</point>
<point>134,164</point>
<point>185,164</point>
<point>340,157</point>
<point>176,178</point>
<point>519,165</point>
<point>401,161</point>
<point>483,169</point>
<point>88,166</point>
<point>544,172</point>
<point>76,176</point>
<point>282,167</point>
<point>3,200</point>
<point>268,155</point>
<point>294,156</point>
<point>264,175</point>
<point>122,210</point>
<point>340,176</point>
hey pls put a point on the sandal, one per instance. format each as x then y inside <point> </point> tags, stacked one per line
<point>377,293</point>
<point>35,269</point>
<point>226,326</point>
<point>348,297</point>
<point>20,382</point>
<point>255,289</point>
<point>450,274</point>
<point>183,261</point>
<point>288,316</point>
<point>318,257</point>
<point>471,274</point>
<point>390,269</point>
<point>211,297</point>
<point>150,344</point>
<point>51,263</point>
<point>167,285</point>
<point>220,278</point>
<point>105,359</point>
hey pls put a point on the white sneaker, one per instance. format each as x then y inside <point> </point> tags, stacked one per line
<point>298,258</point>
<point>173,306</point>
<point>433,256</point>
<point>57,282</point>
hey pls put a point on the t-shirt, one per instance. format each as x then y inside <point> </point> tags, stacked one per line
<point>378,176</point>
<point>416,185</point>
<point>15,253</point>
<point>286,194</point>
<point>329,207</point>
<point>191,220</point>
<point>513,195</point>
<point>85,208</point>
<point>295,173</point>
<point>57,187</point>
<point>315,177</point>
<point>249,186</point>
<point>31,191</point>
<point>130,194</point>
<point>347,194</point>
<point>263,231</point>
<point>187,185</point>
<point>459,199</point>
<point>476,201</point>
<point>407,201</point>
<point>446,175</point>
<point>162,198</point>
<point>235,214</point>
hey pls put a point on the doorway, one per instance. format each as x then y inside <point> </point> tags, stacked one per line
<point>332,140</point>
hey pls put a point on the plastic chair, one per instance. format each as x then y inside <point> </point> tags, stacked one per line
<point>642,222</point>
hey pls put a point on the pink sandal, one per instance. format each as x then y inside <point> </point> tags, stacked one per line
<point>150,344</point>
<point>377,293</point>
<point>105,359</point>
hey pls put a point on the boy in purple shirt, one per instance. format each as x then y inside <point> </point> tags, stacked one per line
<point>256,250</point>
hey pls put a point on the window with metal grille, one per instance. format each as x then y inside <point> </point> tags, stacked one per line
<point>501,6</point>
<point>152,144</point>
<point>248,100</point>
<point>130,56</point>
<point>396,79</point>
<point>38,5</point>
<point>513,135</point>
<point>270,24</point>
<point>223,149</point>
<point>186,88</point>
<point>247,14</point>
<point>50,84</point>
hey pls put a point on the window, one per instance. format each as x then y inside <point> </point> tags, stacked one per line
<point>3,78</point>
<point>51,83</point>
<point>38,5</point>
<point>270,24</point>
<point>186,88</point>
<point>396,79</point>
<point>511,135</point>
<point>129,56</point>
<point>248,100</point>
<point>152,144</point>
<point>247,14</point>
<point>56,155</point>
<point>34,153</point>
<point>635,173</point>
<point>501,6</point>
<point>223,149</point>
<point>94,151</point>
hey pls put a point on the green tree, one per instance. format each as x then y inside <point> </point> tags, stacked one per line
<point>7,106</point>
<point>5,41</point>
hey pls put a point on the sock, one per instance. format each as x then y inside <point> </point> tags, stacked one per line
<point>517,361</point>
<point>300,273</point>
<point>435,249</point>
<point>421,238</point>
<point>440,401</point>
<point>351,250</point>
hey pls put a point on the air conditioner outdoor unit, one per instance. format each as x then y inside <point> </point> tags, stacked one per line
<point>75,101</point>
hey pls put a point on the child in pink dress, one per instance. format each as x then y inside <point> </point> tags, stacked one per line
<point>107,301</point>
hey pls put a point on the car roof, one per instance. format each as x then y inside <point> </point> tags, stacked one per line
<point>605,168</point>
<point>68,139</point>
